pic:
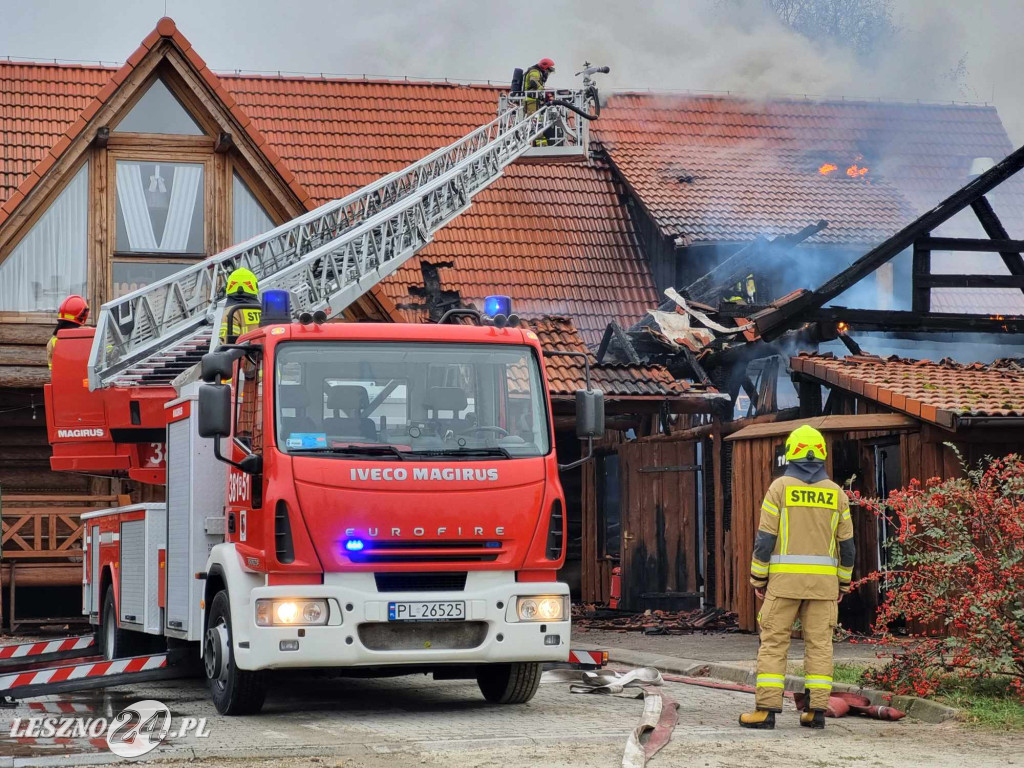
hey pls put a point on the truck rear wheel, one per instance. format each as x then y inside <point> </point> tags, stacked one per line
<point>114,642</point>
<point>234,691</point>
<point>509,683</point>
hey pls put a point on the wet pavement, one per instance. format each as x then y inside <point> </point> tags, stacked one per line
<point>449,723</point>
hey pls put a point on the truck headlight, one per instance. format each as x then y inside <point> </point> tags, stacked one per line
<point>541,608</point>
<point>277,613</point>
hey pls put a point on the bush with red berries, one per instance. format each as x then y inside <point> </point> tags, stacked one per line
<point>956,564</point>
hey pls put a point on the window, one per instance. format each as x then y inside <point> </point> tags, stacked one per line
<point>159,208</point>
<point>50,261</point>
<point>248,216</point>
<point>249,413</point>
<point>159,111</point>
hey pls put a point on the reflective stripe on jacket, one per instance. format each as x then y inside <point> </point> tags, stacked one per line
<point>806,521</point>
<point>244,321</point>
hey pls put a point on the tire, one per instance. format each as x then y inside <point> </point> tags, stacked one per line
<point>509,683</point>
<point>234,691</point>
<point>114,642</point>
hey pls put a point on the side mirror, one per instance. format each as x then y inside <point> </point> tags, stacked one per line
<point>589,413</point>
<point>214,408</point>
<point>216,366</point>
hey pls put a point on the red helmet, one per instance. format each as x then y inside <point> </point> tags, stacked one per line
<point>75,309</point>
<point>547,65</point>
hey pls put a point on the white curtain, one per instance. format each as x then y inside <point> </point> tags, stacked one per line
<point>131,196</point>
<point>51,261</point>
<point>138,221</point>
<point>248,215</point>
<point>182,205</point>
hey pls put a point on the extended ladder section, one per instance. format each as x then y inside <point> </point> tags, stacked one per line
<point>328,257</point>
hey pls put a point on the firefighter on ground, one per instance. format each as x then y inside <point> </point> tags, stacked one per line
<point>242,288</point>
<point>802,565</point>
<point>534,80</point>
<point>72,313</point>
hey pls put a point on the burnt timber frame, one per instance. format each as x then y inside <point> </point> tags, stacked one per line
<point>773,322</point>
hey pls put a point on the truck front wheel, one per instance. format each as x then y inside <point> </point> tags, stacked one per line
<point>234,691</point>
<point>509,683</point>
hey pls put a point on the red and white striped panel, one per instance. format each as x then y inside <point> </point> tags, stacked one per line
<point>61,708</point>
<point>590,658</point>
<point>82,671</point>
<point>23,650</point>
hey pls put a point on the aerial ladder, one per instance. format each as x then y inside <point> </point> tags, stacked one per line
<point>326,258</point>
<point>110,416</point>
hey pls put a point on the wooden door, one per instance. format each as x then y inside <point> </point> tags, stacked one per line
<point>659,554</point>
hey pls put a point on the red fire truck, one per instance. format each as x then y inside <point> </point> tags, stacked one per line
<point>338,495</point>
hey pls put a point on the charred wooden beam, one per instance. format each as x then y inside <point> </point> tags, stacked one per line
<point>850,344</point>
<point>979,244</point>
<point>896,320</point>
<point>994,228</point>
<point>615,333</point>
<point>774,322</point>
<point>921,295</point>
<point>809,391</point>
<point>972,281</point>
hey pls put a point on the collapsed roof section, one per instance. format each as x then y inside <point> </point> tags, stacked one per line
<point>628,387</point>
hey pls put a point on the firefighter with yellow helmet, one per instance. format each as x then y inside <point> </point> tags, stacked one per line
<point>242,288</point>
<point>802,564</point>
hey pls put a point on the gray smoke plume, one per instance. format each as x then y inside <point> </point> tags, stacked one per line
<point>720,45</point>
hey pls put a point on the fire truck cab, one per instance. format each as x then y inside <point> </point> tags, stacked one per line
<point>350,495</point>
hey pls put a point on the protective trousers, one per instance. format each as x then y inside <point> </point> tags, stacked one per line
<point>817,618</point>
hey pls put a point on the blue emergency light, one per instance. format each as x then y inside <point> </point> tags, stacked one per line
<point>276,307</point>
<point>354,545</point>
<point>498,305</point>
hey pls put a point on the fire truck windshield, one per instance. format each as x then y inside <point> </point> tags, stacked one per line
<point>397,400</point>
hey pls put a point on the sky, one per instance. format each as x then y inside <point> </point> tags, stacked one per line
<point>701,45</point>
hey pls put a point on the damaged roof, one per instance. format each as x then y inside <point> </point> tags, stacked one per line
<point>925,151</point>
<point>942,392</point>
<point>566,374</point>
<point>721,168</point>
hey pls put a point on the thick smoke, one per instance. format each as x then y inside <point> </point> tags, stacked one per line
<point>720,45</point>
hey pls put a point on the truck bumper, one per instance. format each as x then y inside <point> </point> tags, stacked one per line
<point>359,634</point>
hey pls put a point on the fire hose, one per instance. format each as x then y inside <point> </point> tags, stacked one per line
<point>840,704</point>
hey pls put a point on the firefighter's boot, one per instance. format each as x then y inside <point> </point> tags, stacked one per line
<point>813,719</point>
<point>761,719</point>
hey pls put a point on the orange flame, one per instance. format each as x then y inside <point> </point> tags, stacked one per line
<point>827,168</point>
<point>855,171</point>
<point>842,326</point>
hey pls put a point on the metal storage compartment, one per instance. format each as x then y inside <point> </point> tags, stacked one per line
<point>138,574</point>
<point>195,492</point>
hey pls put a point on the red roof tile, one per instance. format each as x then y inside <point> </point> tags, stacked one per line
<point>937,392</point>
